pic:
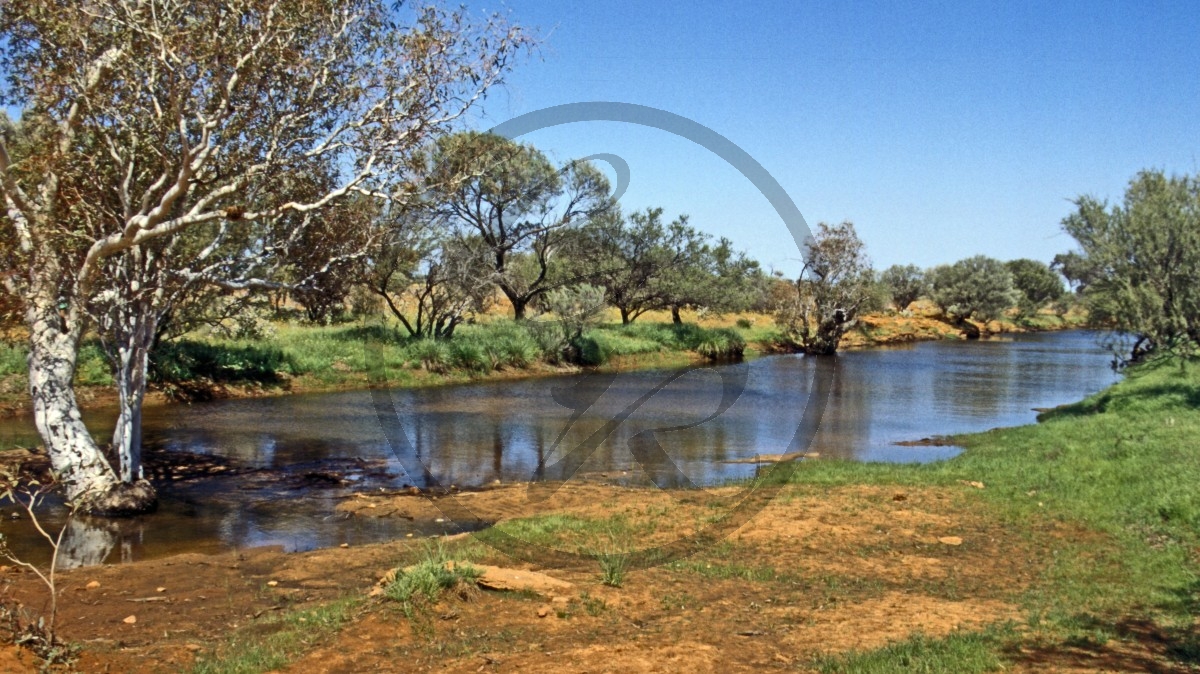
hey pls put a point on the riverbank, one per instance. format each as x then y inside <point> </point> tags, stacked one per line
<point>310,359</point>
<point>1069,545</point>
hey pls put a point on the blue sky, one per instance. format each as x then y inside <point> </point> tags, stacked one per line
<point>941,130</point>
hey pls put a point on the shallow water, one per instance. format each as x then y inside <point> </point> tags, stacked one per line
<point>670,427</point>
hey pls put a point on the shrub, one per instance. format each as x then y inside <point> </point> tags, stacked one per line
<point>187,360</point>
<point>721,344</point>
<point>431,354</point>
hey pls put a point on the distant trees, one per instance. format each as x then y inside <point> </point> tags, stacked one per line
<point>1139,261</point>
<point>644,264</point>
<point>835,285</point>
<point>1036,284</point>
<point>507,200</point>
<point>905,283</point>
<point>979,288</point>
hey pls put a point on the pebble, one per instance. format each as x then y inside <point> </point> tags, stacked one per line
<point>92,584</point>
<point>130,620</point>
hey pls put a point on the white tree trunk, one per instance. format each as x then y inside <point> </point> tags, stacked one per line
<point>76,459</point>
<point>131,353</point>
<point>81,468</point>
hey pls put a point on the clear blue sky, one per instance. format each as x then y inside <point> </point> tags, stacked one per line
<point>940,129</point>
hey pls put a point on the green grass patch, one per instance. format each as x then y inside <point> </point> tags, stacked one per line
<point>423,583</point>
<point>1116,474</point>
<point>957,653</point>
<point>276,643</point>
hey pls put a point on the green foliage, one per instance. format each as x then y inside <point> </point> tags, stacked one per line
<point>431,354</point>
<point>188,360</point>
<point>613,565</point>
<point>576,309</point>
<point>1141,259</point>
<point>979,288</point>
<point>1036,284</point>
<point>956,653</point>
<point>13,359</point>
<point>905,284</point>
<point>93,368</point>
<point>722,344</point>
<point>522,209</point>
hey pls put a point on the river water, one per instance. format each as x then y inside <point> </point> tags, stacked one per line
<point>673,428</point>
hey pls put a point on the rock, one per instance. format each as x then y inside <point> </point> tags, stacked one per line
<point>160,589</point>
<point>543,611</point>
<point>972,483</point>
<point>130,620</point>
<point>93,584</point>
<point>272,583</point>
<point>950,540</point>
<point>344,545</point>
<point>512,580</point>
<point>899,497</point>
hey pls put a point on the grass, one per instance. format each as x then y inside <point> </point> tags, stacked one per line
<point>423,583</point>
<point>285,638</point>
<point>1115,476</point>
<point>957,653</point>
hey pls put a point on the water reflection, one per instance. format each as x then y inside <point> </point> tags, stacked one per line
<point>672,428</point>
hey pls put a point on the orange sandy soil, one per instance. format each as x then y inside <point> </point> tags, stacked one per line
<point>818,570</point>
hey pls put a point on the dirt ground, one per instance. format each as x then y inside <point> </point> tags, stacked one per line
<point>816,571</point>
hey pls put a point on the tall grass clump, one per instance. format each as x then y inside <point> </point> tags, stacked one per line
<point>187,360</point>
<point>423,582</point>
<point>431,354</point>
<point>721,344</point>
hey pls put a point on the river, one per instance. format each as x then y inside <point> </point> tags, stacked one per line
<point>557,428</point>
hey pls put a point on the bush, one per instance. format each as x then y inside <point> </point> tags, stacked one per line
<point>431,354</point>
<point>186,360</point>
<point>721,344</point>
<point>978,287</point>
<point>905,284</point>
<point>745,323</point>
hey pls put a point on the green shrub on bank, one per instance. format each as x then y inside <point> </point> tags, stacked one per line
<point>13,359</point>
<point>187,360</point>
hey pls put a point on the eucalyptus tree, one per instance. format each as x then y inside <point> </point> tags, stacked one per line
<point>717,277</point>
<point>978,287</point>
<point>515,206</point>
<point>835,285</point>
<point>635,258</point>
<point>1138,261</point>
<point>182,143</point>
<point>905,283</point>
<point>1036,284</point>
<point>428,279</point>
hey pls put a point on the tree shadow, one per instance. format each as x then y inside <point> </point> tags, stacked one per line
<point>1136,645</point>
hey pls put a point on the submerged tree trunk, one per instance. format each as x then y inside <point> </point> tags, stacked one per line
<point>80,466</point>
<point>134,335</point>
